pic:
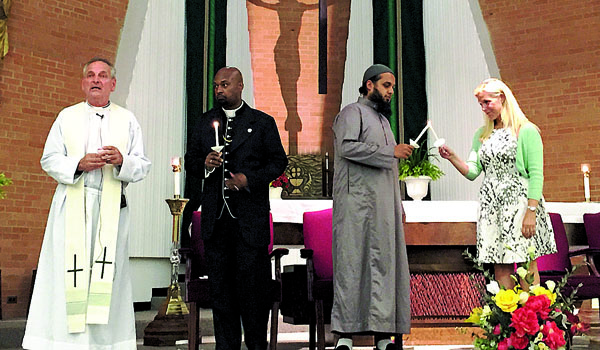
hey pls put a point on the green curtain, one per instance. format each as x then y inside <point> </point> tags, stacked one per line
<point>199,90</point>
<point>385,48</point>
<point>217,45</point>
<point>385,51</point>
<point>413,68</point>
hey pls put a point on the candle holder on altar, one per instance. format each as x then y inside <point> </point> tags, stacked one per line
<point>585,169</point>
<point>174,304</point>
<point>170,324</point>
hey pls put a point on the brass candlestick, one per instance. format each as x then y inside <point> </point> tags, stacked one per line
<point>170,324</point>
<point>174,305</point>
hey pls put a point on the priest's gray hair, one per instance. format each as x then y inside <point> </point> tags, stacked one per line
<point>113,71</point>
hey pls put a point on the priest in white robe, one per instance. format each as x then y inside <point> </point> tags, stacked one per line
<point>82,297</point>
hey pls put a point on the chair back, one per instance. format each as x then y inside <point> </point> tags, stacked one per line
<point>558,261</point>
<point>592,229</point>
<point>317,229</point>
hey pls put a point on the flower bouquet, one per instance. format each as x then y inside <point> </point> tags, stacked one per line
<point>540,318</point>
<point>281,181</point>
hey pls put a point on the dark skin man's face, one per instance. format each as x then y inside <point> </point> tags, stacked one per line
<point>228,86</point>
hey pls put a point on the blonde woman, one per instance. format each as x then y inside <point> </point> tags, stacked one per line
<point>508,149</point>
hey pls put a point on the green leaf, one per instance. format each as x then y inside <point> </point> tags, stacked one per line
<point>419,164</point>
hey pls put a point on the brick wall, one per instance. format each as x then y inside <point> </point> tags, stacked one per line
<point>548,52</point>
<point>285,59</point>
<point>49,41</point>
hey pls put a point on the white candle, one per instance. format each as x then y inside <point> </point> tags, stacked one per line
<point>422,132</point>
<point>585,168</point>
<point>216,125</point>
<point>434,134</point>
<point>175,163</point>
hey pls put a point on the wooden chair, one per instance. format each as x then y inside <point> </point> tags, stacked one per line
<point>197,289</point>
<point>554,266</point>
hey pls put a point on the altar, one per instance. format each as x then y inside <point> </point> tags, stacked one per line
<point>436,232</point>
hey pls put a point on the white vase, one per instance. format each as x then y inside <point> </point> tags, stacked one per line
<point>275,192</point>
<point>416,187</point>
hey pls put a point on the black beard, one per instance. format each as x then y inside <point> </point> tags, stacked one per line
<point>381,106</point>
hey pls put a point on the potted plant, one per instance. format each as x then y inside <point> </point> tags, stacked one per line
<point>4,181</point>
<point>276,186</point>
<point>417,170</point>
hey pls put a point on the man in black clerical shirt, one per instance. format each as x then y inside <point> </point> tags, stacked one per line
<point>235,209</point>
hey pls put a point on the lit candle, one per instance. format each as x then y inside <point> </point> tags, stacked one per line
<point>216,125</point>
<point>585,168</point>
<point>176,164</point>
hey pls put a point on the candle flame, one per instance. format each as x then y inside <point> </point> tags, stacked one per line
<point>216,124</point>
<point>585,168</point>
<point>176,164</point>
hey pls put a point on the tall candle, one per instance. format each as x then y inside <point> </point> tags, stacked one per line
<point>216,125</point>
<point>586,187</point>
<point>176,164</point>
<point>585,168</point>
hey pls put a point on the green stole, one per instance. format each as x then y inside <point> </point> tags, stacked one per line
<point>91,305</point>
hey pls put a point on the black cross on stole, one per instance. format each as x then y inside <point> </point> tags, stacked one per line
<point>103,262</point>
<point>75,270</point>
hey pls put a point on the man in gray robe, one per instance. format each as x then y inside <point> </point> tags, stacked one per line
<point>371,277</point>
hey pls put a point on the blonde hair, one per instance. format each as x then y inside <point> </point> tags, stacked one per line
<point>511,114</point>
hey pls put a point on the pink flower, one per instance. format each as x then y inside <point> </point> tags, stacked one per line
<point>503,345</point>
<point>554,337</point>
<point>525,321</point>
<point>497,330</point>
<point>518,342</point>
<point>540,304</point>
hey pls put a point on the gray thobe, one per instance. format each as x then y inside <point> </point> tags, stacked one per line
<point>370,267</point>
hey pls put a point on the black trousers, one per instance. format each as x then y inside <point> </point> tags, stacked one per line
<point>238,277</point>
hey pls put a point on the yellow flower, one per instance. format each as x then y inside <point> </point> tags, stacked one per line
<point>475,316</point>
<point>507,300</point>
<point>543,346</point>
<point>539,290</point>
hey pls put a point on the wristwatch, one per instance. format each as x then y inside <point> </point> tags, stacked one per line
<point>533,209</point>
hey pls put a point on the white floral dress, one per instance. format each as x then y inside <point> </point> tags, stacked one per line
<point>503,203</point>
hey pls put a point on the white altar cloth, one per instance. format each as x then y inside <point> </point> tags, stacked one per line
<point>291,210</point>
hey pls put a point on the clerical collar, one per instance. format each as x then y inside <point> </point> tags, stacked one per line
<point>98,109</point>
<point>230,113</point>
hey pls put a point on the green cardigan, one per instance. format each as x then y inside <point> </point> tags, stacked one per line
<point>530,159</point>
